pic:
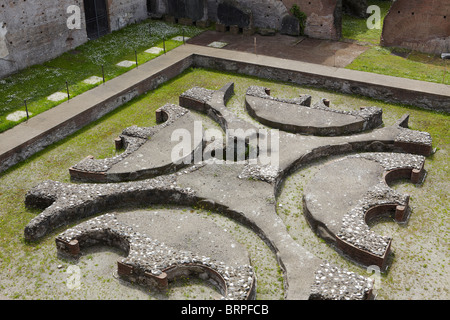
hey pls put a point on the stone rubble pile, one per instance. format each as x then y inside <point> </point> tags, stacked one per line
<point>266,173</point>
<point>391,161</point>
<point>413,136</point>
<point>333,283</point>
<point>198,93</point>
<point>355,230</point>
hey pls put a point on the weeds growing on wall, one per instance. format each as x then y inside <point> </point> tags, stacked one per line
<point>301,16</point>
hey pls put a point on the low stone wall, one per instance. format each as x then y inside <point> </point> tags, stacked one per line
<point>385,93</point>
<point>351,235</point>
<point>152,263</point>
<point>317,119</point>
<point>369,89</point>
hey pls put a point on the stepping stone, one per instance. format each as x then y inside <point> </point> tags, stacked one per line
<point>16,116</point>
<point>180,38</point>
<point>126,63</point>
<point>217,44</point>
<point>57,96</point>
<point>93,80</point>
<point>154,50</point>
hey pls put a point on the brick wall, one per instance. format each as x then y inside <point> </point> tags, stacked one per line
<point>422,25</point>
<point>324,17</point>
<point>35,31</point>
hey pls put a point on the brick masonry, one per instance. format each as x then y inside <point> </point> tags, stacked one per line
<point>422,25</point>
<point>32,32</point>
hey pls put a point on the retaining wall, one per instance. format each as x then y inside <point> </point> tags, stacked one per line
<point>423,99</point>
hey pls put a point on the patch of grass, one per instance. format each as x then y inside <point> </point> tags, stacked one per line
<point>355,28</point>
<point>417,66</point>
<point>36,83</point>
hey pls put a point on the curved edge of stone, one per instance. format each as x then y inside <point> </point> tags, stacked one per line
<point>152,263</point>
<point>132,138</point>
<point>366,119</point>
<point>355,240</point>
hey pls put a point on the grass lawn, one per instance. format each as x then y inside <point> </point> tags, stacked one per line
<point>36,83</point>
<point>355,28</point>
<point>417,65</point>
<point>33,271</point>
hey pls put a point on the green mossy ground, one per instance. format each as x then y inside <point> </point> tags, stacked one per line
<point>420,268</point>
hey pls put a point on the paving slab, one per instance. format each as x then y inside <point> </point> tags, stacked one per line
<point>329,53</point>
<point>126,63</point>
<point>57,96</point>
<point>154,50</point>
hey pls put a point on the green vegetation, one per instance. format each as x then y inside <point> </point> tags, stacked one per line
<point>301,16</point>
<point>395,62</point>
<point>36,83</point>
<point>418,66</point>
<point>29,271</point>
<point>354,28</point>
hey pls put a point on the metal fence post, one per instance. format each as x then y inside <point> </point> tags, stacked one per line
<point>135,55</point>
<point>68,93</point>
<point>26,108</point>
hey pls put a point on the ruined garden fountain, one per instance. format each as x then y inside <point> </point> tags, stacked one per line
<point>338,202</point>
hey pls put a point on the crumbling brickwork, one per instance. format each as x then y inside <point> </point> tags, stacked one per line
<point>323,22</point>
<point>125,12</point>
<point>36,31</point>
<point>422,25</point>
<point>324,17</point>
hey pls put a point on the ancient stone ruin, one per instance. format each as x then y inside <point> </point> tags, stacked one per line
<point>372,156</point>
<point>418,25</point>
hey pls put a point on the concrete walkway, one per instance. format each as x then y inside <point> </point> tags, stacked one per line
<point>44,129</point>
